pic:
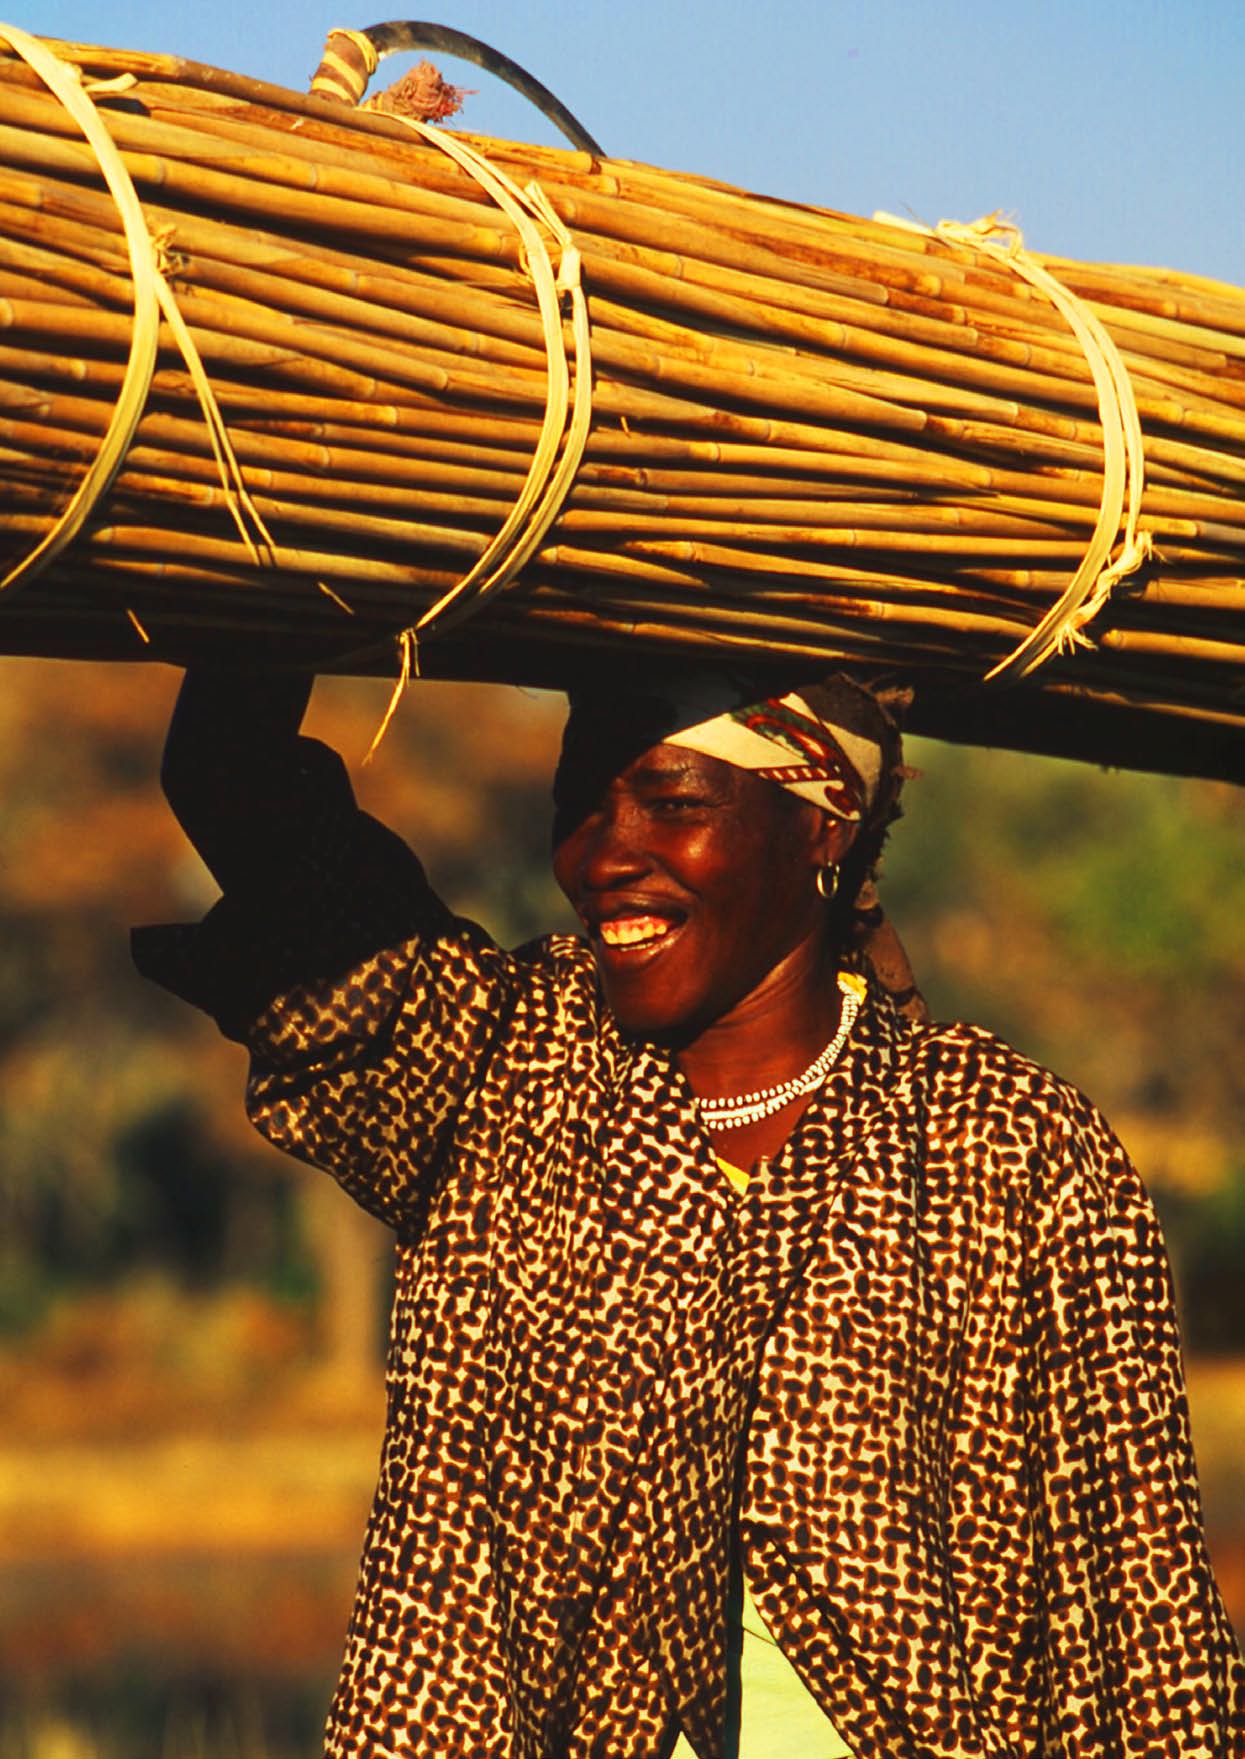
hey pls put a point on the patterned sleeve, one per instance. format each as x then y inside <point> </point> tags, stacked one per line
<point>366,1006</point>
<point>1140,1655</point>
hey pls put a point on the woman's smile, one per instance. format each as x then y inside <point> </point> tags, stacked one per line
<point>627,933</point>
<point>634,934</point>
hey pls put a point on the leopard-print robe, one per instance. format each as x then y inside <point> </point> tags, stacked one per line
<point>923,1380</point>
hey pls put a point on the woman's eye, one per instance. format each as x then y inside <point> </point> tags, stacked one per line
<point>675,803</point>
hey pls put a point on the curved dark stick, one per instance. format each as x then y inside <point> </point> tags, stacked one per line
<point>402,34</point>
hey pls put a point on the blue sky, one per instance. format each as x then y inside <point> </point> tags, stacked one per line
<point>1110,131</point>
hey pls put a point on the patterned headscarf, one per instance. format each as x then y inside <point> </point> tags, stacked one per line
<point>820,741</point>
<point>802,742</point>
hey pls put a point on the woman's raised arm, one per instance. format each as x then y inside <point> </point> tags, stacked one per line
<point>326,947</point>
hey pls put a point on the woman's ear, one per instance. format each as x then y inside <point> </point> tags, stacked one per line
<point>833,839</point>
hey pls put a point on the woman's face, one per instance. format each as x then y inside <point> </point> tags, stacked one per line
<point>693,879</point>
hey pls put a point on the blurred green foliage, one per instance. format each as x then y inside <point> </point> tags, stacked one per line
<point>1137,876</point>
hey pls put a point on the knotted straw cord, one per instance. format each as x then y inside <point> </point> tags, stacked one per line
<point>1123,458</point>
<point>544,487</point>
<point>64,83</point>
<point>152,296</point>
<point>548,479</point>
<point>237,495</point>
<point>1122,443</point>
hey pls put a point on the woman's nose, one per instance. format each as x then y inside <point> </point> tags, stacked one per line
<point>610,850</point>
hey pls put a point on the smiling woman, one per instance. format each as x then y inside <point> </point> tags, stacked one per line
<point>701,835</point>
<point>762,1355</point>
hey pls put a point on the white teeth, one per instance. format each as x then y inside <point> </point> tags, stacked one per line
<point>633,931</point>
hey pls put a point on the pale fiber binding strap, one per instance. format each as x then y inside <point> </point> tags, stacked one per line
<point>152,296</point>
<point>64,82</point>
<point>1123,471</point>
<point>349,61</point>
<point>549,478</point>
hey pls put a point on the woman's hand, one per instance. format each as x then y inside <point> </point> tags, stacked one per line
<point>231,762</point>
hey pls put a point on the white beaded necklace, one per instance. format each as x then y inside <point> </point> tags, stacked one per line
<point>728,1113</point>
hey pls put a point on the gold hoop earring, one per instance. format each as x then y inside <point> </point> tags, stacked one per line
<point>827,881</point>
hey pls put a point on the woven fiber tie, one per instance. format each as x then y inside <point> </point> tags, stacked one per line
<point>1123,447</point>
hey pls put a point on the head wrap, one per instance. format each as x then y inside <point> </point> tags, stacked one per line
<point>819,742</point>
<point>803,742</point>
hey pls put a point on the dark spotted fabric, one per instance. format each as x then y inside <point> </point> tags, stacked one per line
<point>923,1380</point>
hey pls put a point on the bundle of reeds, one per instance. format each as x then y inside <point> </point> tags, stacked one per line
<point>812,438</point>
